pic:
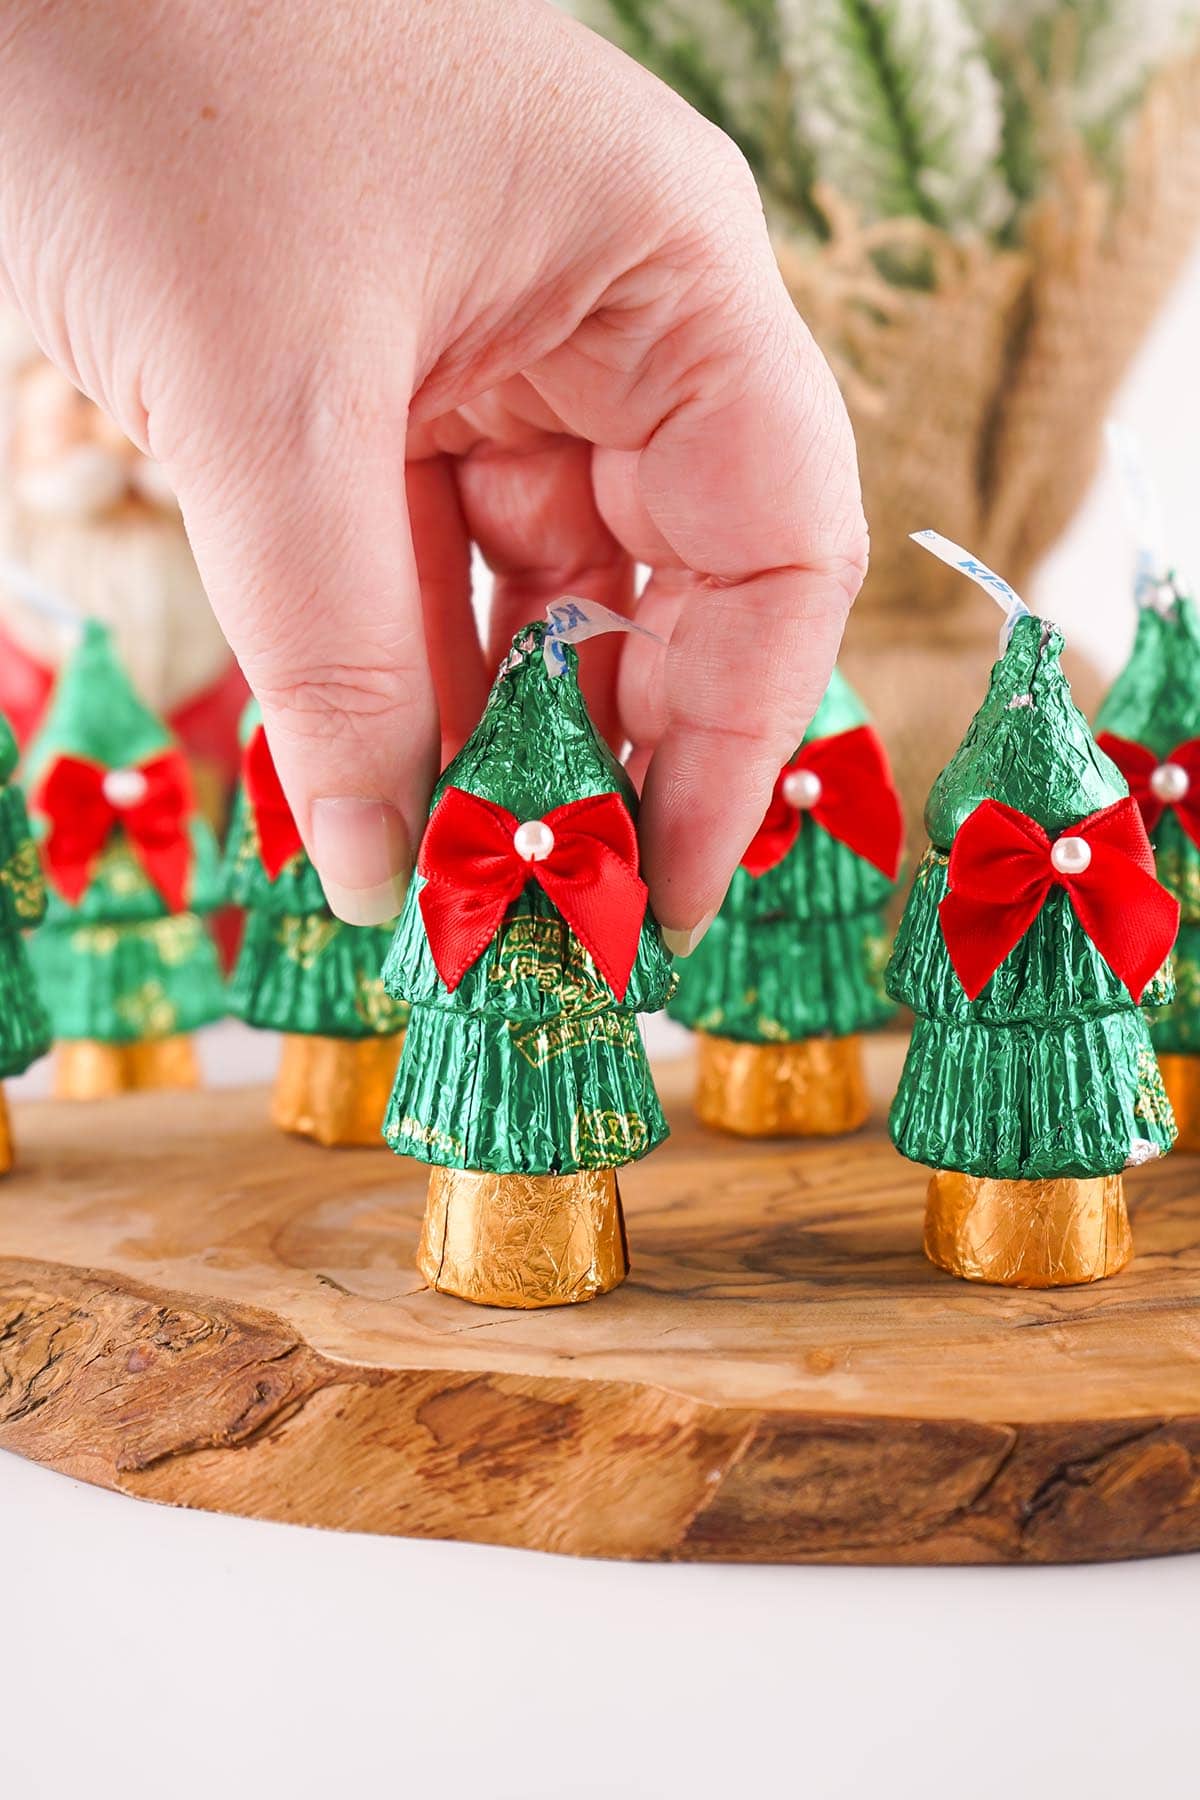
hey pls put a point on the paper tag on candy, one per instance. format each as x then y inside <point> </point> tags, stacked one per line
<point>949,552</point>
<point>1153,585</point>
<point>570,621</point>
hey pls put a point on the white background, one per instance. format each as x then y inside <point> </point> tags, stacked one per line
<point>149,1651</point>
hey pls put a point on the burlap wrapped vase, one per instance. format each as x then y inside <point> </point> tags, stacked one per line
<point>978,401</point>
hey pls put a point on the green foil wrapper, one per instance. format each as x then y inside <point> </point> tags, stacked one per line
<point>119,967</point>
<point>1055,974</point>
<point>1155,701</point>
<point>1020,1102</point>
<point>300,970</point>
<point>24,1023</point>
<point>128,983</point>
<point>1177,863</point>
<point>766,982</point>
<point>532,1065</point>
<point>1049,1071</point>
<point>534,1097</point>
<point>94,711</point>
<point>1175,1028</point>
<point>313,976</point>
<point>1028,745</point>
<point>22,884</point>
<point>799,951</point>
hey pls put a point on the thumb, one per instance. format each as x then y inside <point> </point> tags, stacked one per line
<point>308,562</point>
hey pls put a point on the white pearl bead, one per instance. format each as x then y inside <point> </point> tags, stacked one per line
<point>802,789</point>
<point>1169,783</point>
<point>124,787</point>
<point>533,841</point>
<point>1071,855</point>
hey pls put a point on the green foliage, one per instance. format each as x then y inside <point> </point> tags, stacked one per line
<point>950,111</point>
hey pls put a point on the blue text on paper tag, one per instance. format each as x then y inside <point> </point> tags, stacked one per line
<point>571,620</point>
<point>1006,597</point>
<point>1154,584</point>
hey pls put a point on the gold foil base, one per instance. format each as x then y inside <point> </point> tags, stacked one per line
<point>1181,1078</point>
<point>816,1088</point>
<point>1036,1234</point>
<point>6,1143</point>
<point>523,1240</point>
<point>87,1070</point>
<point>335,1090</point>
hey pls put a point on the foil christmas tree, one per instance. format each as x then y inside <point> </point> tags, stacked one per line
<point>791,970</point>
<point>304,973</point>
<point>24,1024</point>
<point>124,961</point>
<point>1034,932</point>
<point>1150,726</point>
<point>526,949</point>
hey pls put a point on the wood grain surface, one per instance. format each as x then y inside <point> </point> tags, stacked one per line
<point>198,1310</point>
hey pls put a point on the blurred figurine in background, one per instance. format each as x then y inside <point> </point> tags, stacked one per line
<point>89,517</point>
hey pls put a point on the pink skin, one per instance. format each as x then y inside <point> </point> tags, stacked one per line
<point>290,247</point>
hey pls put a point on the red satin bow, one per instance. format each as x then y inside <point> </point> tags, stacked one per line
<point>1001,874</point>
<point>1137,765</point>
<point>82,816</point>
<point>473,872</point>
<point>858,804</point>
<point>278,835</point>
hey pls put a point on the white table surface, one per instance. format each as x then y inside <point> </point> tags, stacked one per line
<point>149,1651</point>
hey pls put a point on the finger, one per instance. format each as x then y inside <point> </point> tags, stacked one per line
<point>533,514</point>
<point>443,552</point>
<point>313,578</point>
<point>729,461</point>
<point>731,718</point>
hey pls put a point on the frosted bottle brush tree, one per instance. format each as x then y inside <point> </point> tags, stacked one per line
<point>949,111</point>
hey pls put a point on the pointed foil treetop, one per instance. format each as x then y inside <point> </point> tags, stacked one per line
<point>1028,746</point>
<point>95,712</point>
<point>1155,700</point>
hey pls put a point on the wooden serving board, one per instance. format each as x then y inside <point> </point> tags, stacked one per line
<point>197,1310</point>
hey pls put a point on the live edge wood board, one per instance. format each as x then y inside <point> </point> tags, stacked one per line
<point>196,1310</point>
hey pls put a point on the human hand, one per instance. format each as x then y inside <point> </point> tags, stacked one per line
<point>293,249</point>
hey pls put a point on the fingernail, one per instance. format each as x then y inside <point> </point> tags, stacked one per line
<point>361,852</point>
<point>682,943</point>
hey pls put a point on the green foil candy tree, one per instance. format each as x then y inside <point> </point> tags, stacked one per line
<point>526,1084</point>
<point>125,963</point>
<point>791,970</point>
<point>304,973</point>
<point>1029,1099</point>
<point>24,1023</point>
<point>1150,726</point>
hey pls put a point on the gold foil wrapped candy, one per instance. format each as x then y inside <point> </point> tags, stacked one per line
<point>88,1070</point>
<point>523,1240</point>
<point>1053,1233</point>
<point>335,1090</point>
<point>813,1088</point>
